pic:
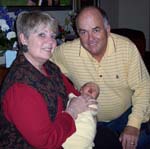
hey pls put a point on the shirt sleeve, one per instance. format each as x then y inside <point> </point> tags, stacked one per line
<point>139,81</point>
<point>58,58</point>
<point>69,86</point>
<point>25,108</point>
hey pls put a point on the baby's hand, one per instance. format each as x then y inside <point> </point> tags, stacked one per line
<point>94,108</point>
<point>92,104</point>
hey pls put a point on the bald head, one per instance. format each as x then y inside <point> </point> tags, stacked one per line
<point>96,12</point>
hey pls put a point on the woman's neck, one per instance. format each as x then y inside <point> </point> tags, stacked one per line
<point>37,64</point>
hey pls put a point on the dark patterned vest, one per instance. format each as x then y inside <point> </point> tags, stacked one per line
<point>49,87</point>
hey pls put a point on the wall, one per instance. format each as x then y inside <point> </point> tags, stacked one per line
<point>111,8</point>
<point>133,14</point>
<point>60,15</point>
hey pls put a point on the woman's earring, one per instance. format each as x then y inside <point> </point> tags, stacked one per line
<point>24,48</point>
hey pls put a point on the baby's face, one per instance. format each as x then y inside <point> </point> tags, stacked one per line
<point>90,90</point>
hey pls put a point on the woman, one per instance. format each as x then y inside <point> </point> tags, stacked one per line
<point>35,93</point>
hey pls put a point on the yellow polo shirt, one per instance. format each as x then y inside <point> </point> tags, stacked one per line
<point>121,75</point>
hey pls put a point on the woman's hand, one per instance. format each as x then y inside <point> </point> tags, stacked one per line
<point>80,104</point>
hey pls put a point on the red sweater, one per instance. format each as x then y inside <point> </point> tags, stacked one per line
<point>32,119</point>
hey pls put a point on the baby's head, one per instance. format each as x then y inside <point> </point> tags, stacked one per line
<point>90,89</point>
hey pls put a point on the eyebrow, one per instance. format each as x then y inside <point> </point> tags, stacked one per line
<point>97,27</point>
<point>80,29</point>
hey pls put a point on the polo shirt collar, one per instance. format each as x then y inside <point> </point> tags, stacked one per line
<point>110,46</point>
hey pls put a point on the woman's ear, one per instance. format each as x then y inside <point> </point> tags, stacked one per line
<point>23,39</point>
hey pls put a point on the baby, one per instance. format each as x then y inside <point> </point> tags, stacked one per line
<point>85,123</point>
<point>91,89</point>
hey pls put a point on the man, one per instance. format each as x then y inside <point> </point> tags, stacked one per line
<point>113,62</point>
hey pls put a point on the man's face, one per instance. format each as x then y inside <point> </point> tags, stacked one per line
<point>93,35</point>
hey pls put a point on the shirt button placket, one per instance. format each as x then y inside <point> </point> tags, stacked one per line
<point>100,71</point>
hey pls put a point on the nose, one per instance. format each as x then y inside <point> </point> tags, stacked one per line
<point>90,36</point>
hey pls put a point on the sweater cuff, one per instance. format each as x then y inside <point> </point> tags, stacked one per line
<point>134,122</point>
<point>71,95</point>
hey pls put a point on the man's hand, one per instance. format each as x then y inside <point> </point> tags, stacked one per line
<point>129,137</point>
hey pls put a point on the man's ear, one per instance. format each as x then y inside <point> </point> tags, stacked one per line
<point>108,30</point>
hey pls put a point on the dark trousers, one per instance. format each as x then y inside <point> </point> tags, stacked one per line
<point>119,124</point>
<point>106,139</point>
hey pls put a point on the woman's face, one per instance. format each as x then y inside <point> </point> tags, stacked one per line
<point>40,43</point>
